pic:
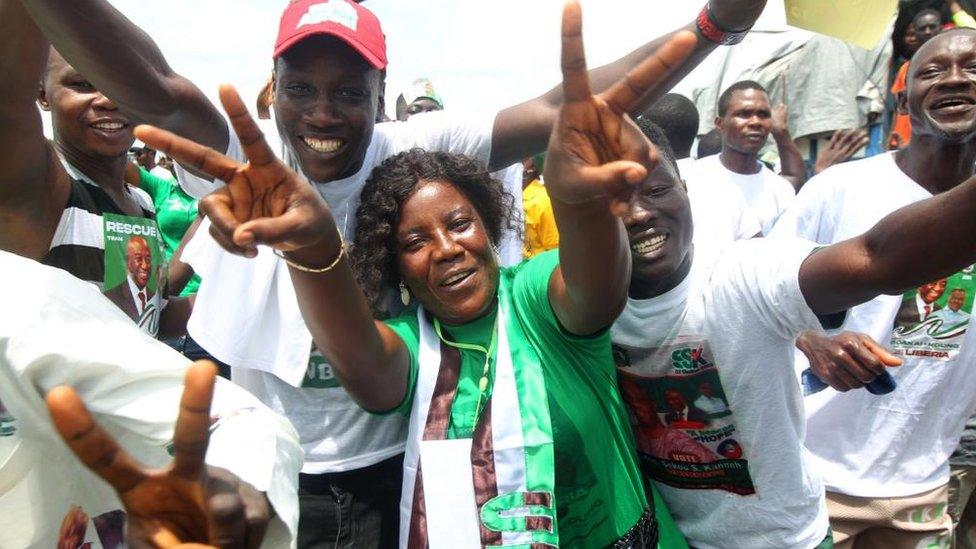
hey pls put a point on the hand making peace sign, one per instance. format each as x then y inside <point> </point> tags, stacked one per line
<point>185,505</point>
<point>264,201</point>
<point>596,152</point>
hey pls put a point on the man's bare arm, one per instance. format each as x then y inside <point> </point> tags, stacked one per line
<point>33,186</point>
<point>124,63</point>
<point>523,130</point>
<point>919,243</point>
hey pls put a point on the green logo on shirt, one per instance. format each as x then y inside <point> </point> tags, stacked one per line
<point>688,359</point>
<point>319,374</point>
<point>7,427</point>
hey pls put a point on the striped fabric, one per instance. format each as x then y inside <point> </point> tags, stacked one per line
<point>78,245</point>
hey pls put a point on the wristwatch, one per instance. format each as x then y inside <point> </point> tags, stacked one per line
<point>714,33</point>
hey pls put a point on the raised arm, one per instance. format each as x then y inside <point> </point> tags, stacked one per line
<point>912,246</point>
<point>793,167</point>
<point>33,186</point>
<point>23,56</point>
<point>523,130</point>
<point>597,156</point>
<point>124,63</point>
<point>265,202</point>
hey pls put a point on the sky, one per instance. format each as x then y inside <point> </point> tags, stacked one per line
<point>479,55</point>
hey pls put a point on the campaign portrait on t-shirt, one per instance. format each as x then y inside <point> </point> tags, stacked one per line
<point>134,268</point>
<point>933,318</point>
<point>684,428</point>
<point>106,531</point>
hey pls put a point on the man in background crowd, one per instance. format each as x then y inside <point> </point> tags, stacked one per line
<point>927,24</point>
<point>420,98</point>
<point>884,458</point>
<point>745,121</point>
<point>541,233</point>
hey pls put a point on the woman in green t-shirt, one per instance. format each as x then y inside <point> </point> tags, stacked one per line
<point>517,433</point>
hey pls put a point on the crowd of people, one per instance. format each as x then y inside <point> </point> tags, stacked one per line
<point>591,319</point>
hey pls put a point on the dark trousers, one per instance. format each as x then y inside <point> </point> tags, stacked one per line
<point>356,509</point>
<point>193,351</point>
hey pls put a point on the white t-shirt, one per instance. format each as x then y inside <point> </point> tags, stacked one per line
<point>743,480</point>
<point>162,173</point>
<point>897,444</point>
<point>719,210</point>
<point>246,312</point>
<point>767,194</point>
<point>58,330</point>
<point>511,247</point>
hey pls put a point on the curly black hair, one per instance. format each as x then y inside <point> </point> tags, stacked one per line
<point>390,185</point>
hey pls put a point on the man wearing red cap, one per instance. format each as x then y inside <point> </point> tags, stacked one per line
<point>329,63</point>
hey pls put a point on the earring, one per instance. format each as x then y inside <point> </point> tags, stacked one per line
<point>404,294</point>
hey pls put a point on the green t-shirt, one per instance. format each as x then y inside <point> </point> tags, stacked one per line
<point>175,212</point>
<point>599,491</point>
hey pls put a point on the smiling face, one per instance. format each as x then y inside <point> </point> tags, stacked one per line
<point>84,120</point>
<point>659,227</point>
<point>138,261</point>
<point>444,253</point>
<point>941,96</point>
<point>957,299</point>
<point>326,100</point>
<point>747,121</point>
<point>932,291</point>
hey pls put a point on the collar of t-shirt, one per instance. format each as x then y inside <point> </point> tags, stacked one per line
<point>76,174</point>
<point>644,318</point>
<point>758,174</point>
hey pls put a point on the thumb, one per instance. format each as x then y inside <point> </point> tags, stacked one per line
<point>883,354</point>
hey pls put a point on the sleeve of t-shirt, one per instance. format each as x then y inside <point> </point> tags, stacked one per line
<point>530,294</point>
<point>199,187</point>
<point>443,131</point>
<point>151,184</point>
<point>759,281</point>
<point>406,326</point>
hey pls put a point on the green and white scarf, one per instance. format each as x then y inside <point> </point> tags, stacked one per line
<point>508,500</point>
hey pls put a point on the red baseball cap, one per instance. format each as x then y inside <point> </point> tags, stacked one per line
<point>348,21</point>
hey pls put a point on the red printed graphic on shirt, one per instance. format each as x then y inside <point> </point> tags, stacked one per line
<point>685,430</point>
<point>106,532</point>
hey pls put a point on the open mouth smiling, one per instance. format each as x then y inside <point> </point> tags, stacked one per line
<point>327,145</point>
<point>457,278</point>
